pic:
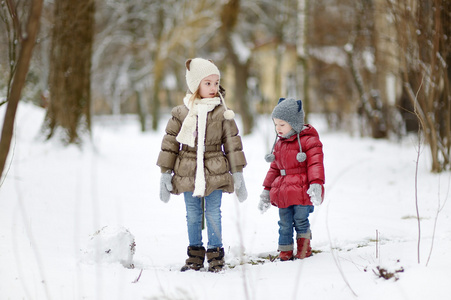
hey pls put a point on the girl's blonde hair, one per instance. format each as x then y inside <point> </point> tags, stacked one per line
<point>196,95</point>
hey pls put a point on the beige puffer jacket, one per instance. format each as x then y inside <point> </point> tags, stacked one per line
<point>223,153</point>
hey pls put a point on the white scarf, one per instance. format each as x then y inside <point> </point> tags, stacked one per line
<point>198,111</point>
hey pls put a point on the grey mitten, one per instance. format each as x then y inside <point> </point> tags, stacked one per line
<point>315,192</point>
<point>165,187</point>
<point>265,202</point>
<point>240,186</point>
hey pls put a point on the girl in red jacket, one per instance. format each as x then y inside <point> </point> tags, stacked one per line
<point>295,180</point>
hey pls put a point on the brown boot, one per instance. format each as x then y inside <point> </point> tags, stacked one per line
<point>215,258</point>
<point>195,260</point>
<point>304,249</point>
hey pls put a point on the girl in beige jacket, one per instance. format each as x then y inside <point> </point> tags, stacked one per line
<point>202,157</point>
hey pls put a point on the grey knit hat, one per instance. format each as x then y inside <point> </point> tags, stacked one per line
<point>289,110</point>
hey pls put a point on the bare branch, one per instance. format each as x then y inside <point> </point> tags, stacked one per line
<point>23,63</point>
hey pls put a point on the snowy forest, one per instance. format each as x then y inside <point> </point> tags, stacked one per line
<point>378,67</point>
<point>86,90</point>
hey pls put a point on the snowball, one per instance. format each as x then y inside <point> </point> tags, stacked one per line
<point>111,244</point>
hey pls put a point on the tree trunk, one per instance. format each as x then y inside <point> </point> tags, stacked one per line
<point>229,17</point>
<point>302,53</point>
<point>27,44</point>
<point>158,73</point>
<point>141,110</point>
<point>425,72</point>
<point>241,76</point>
<point>371,107</point>
<point>70,68</point>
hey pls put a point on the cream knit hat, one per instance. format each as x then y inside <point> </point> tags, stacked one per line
<point>196,70</point>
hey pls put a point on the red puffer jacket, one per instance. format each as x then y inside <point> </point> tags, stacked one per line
<point>291,189</point>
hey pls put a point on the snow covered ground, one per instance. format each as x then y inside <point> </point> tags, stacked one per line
<point>56,201</point>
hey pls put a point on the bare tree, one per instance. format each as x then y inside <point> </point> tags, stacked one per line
<point>185,26</point>
<point>147,43</point>
<point>122,54</point>
<point>240,62</point>
<point>423,29</point>
<point>373,104</point>
<point>27,42</point>
<point>10,17</point>
<point>302,50</point>
<point>70,69</point>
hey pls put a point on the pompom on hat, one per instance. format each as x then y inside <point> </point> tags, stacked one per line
<point>289,110</point>
<point>196,70</point>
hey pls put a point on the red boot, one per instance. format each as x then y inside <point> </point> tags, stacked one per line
<point>304,249</point>
<point>286,255</point>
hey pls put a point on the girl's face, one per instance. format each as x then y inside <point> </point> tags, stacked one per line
<point>282,127</point>
<point>208,87</point>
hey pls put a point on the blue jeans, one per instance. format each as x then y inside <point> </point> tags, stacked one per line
<point>295,216</point>
<point>212,215</point>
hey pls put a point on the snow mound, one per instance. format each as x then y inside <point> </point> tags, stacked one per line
<point>111,244</point>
